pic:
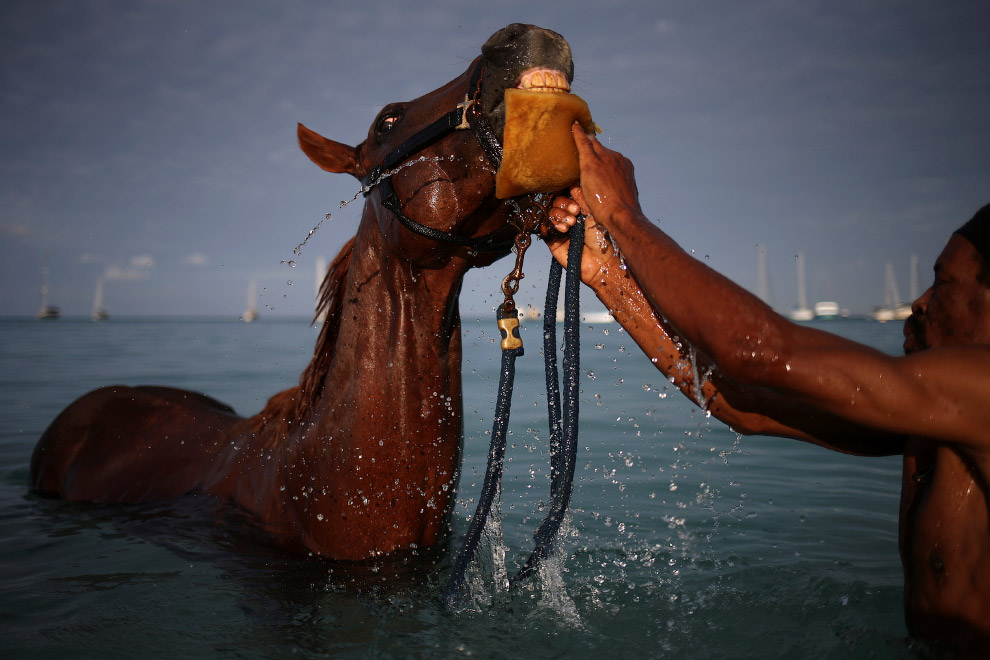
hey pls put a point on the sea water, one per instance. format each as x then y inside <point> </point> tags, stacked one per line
<point>684,540</point>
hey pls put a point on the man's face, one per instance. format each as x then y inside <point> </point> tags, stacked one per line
<point>956,308</point>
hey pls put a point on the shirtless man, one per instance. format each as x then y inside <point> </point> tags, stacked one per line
<point>772,377</point>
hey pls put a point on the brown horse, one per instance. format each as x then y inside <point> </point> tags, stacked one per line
<point>363,456</point>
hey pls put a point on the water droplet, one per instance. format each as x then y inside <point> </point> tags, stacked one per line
<point>289,282</point>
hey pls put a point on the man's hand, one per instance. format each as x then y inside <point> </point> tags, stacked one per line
<point>607,180</point>
<point>598,254</point>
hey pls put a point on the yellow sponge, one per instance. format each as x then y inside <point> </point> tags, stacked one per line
<point>538,151</point>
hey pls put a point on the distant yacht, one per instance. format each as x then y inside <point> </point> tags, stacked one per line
<point>802,312</point>
<point>826,310</point>
<point>602,316</point>
<point>251,313</point>
<point>46,312</point>
<point>99,312</point>
<point>531,313</point>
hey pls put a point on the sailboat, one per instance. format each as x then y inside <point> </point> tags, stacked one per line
<point>763,277</point>
<point>802,312</point>
<point>46,312</point>
<point>99,312</point>
<point>251,313</point>
<point>893,309</point>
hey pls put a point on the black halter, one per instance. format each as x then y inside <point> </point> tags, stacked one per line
<point>467,115</point>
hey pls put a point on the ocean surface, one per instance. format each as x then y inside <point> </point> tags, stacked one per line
<point>684,539</point>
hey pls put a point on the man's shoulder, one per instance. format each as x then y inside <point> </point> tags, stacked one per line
<point>960,354</point>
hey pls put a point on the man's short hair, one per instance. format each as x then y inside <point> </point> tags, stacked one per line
<point>977,232</point>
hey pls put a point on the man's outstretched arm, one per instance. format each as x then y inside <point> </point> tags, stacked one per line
<point>748,410</point>
<point>768,366</point>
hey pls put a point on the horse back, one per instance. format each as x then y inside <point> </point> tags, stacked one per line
<point>131,444</point>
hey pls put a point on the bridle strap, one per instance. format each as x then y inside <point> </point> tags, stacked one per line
<point>466,115</point>
<point>494,241</point>
<point>450,122</point>
<point>424,138</point>
<point>486,135</point>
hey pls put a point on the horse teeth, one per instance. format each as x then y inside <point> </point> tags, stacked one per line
<point>545,81</point>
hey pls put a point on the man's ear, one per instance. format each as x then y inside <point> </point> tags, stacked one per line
<point>331,156</point>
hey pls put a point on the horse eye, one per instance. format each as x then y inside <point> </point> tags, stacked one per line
<point>386,122</point>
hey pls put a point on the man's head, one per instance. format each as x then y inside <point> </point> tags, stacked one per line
<point>956,308</point>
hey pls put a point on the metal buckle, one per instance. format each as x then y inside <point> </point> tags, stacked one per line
<point>508,325</point>
<point>464,106</point>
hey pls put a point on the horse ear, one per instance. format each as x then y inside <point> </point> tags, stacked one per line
<point>331,156</point>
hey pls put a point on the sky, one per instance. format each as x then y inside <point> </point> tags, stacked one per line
<point>153,142</point>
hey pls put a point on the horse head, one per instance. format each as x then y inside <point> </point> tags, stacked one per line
<point>417,166</point>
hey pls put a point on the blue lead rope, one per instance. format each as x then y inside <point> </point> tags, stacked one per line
<point>563,431</point>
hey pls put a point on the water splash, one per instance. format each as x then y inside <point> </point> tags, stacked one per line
<point>298,249</point>
<point>550,573</point>
<point>487,577</point>
<point>364,190</point>
<point>496,547</point>
<point>699,378</point>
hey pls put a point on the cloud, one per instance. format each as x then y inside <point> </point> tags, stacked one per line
<point>197,259</point>
<point>664,27</point>
<point>14,230</point>
<point>90,258</point>
<point>116,273</point>
<point>138,269</point>
<point>143,261</point>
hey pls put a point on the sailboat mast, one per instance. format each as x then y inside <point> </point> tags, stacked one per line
<point>762,277</point>
<point>44,289</point>
<point>802,293</point>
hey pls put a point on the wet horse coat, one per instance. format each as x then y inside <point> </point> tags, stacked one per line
<point>363,456</point>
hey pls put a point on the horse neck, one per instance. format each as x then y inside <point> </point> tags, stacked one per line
<point>369,444</point>
<point>398,343</point>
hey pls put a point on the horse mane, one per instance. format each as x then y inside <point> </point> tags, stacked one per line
<point>294,403</point>
<point>329,306</point>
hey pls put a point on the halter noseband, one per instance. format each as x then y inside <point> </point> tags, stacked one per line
<point>467,115</point>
